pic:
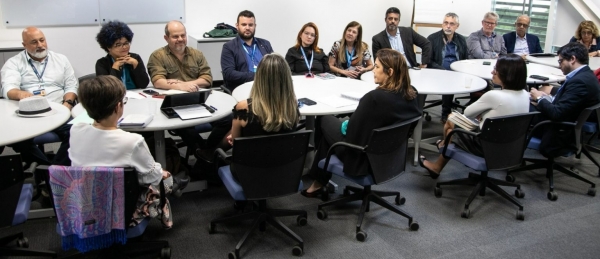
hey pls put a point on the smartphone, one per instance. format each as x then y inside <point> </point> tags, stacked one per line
<point>150,92</point>
<point>487,63</point>
<point>307,101</point>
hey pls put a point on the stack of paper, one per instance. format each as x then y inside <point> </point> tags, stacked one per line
<point>463,121</point>
<point>336,101</point>
<point>193,111</point>
<point>136,120</point>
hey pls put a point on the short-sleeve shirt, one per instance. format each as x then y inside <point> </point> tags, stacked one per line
<point>163,64</point>
<point>335,52</point>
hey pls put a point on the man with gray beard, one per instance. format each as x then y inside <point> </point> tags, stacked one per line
<point>447,46</point>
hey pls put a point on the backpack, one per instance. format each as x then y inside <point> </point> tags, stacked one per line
<point>222,30</point>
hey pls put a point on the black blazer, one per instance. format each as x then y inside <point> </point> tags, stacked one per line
<point>295,60</point>
<point>233,61</point>
<point>533,42</point>
<point>409,38</point>
<point>437,45</point>
<point>139,74</point>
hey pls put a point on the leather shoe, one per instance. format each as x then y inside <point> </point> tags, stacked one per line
<point>318,194</point>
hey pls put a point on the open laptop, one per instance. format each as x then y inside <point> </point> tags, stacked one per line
<point>185,99</point>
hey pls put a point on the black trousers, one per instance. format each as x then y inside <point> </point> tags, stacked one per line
<point>31,153</point>
<point>327,132</point>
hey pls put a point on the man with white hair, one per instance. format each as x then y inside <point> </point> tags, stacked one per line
<point>39,71</point>
<point>485,43</point>
<point>519,41</point>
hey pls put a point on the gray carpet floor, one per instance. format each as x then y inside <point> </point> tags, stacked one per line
<point>566,228</point>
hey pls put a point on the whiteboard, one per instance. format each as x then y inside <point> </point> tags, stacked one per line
<point>22,13</point>
<point>142,11</point>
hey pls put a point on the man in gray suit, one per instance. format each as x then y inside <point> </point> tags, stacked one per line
<point>401,39</point>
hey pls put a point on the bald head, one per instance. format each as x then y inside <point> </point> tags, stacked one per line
<point>175,36</point>
<point>521,25</point>
<point>173,25</point>
<point>34,42</point>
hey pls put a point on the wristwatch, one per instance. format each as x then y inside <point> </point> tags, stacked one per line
<point>539,98</point>
<point>70,102</point>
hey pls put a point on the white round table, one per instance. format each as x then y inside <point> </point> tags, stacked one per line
<point>222,101</point>
<point>553,61</point>
<point>477,68</point>
<point>17,128</point>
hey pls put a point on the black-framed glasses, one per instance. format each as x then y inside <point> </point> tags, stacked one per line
<point>125,100</point>
<point>489,23</point>
<point>122,45</point>
<point>560,60</point>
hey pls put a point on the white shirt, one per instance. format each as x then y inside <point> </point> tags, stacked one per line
<point>113,148</point>
<point>521,47</point>
<point>396,43</point>
<point>57,79</point>
<point>497,103</point>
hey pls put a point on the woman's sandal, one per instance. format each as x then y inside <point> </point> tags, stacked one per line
<point>437,144</point>
<point>432,174</point>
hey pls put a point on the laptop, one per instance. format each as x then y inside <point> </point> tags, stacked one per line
<point>185,99</point>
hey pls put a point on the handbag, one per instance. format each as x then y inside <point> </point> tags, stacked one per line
<point>222,30</point>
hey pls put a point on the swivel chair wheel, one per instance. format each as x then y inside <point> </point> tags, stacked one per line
<point>519,193</point>
<point>466,213</point>
<point>297,250</point>
<point>400,200</point>
<point>165,253</point>
<point>427,117</point>
<point>233,255</point>
<point>552,196</point>
<point>520,215</point>
<point>591,191</point>
<point>438,192</point>
<point>510,178</point>
<point>211,228</point>
<point>414,226</point>
<point>23,242</point>
<point>361,236</point>
<point>301,220</point>
<point>321,214</point>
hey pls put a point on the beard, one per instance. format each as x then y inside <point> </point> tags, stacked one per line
<point>244,37</point>
<point>392,27</point>
<point>39,55</point>
<point>448,32</point>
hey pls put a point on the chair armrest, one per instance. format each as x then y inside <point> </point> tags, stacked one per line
<point>449,137</point>
<point>337,145</point>
<point>221,155</point>
<point>544,124</point>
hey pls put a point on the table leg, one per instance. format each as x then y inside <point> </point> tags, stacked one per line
<point>418,130</point>
<point>159,148</point>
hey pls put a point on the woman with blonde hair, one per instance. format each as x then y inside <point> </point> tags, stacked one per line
<point>350,56</point>
<point>272,106</point>
<point>587,34</point>
<point>393,101</point>
<point>306,58</point>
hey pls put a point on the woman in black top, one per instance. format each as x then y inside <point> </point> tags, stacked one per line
<point>393,101</point>
<point>300,57</point>
<point>115,38</point>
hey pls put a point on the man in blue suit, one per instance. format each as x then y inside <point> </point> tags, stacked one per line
<point>240,56</point>
<point>520,42</point>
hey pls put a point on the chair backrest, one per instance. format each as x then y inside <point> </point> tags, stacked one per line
<point>270,166</point>
<point>503,140</point>
<point>88,76</point>
<point>11,183</point>
<point>386,150</point>
<point>581,119</point>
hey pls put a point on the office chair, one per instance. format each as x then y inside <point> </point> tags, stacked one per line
<point>386,155</point>
<point>15,202</point>
<point>503,141</point>
<point>539,161</point>
<point>132,192</point>
<point>586,147</point>
<point>265,167</point>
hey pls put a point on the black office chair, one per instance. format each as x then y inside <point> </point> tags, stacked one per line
<point>386,154</point>
<point>590,128</point>
<point>265,167</point>
<point>134,246</point>
<point>15,202</point>
<point>540,161</point>
<point>503,140</point>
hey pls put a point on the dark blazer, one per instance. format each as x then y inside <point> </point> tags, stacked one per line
<point>139,74</point>
<point>378,108</point>
<point>295,60</point>
<point>409,38</point>
<point>437,45</point>
<point>533,42</point>
<point>592,47</point>
<point>233,61</point>
<point>578,93</point>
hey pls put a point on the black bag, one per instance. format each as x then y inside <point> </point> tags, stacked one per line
<point>222,30</point>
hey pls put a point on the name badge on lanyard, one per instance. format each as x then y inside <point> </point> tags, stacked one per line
<point>40,91</point>
<point>308,65</point>
<point>349,58</point>
<point>251,56</point>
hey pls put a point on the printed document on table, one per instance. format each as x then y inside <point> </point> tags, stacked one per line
<point>192,111</point>
<point>336,101</point>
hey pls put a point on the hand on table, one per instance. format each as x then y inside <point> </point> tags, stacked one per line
<point>351,74</point>
<point>23,95</point>
<point>423,66</point>
<point>188,86</point>
<point>66,104</point>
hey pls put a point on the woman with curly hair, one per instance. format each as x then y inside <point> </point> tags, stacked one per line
<point>587,34</point>
<point>115,38</point>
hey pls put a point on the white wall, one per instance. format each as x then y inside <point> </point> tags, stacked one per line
<point>567,20</point>
<point>277,21</point>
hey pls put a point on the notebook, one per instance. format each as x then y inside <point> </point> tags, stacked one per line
<point>136,121</point>
<point>353,95</point>
<point>463,121</point>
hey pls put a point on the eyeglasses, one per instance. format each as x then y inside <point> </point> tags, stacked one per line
<point>560,60</point>
<point>450,23</point>
<point>122,45</point>
<point>308,34</point>
<point>522,25</point>
<point>125,100</point>
<point>489,23</point>
<point>586,33</point>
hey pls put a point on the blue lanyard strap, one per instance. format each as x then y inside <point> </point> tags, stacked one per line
<point>39,76</point>
<point>123,75</point>
<point>349,57</point>
<point>312,56</point>
<point>251,55</point>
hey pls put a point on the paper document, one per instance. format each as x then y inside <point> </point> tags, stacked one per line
<point>136,120</point>
<point>172,92</point>
<point>135,95</point>
<point>337,101</point>
<point>192,111</point>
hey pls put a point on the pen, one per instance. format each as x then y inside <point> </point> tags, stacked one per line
<point>142,95</point>
<point>214,108</point>
<point>120,120</point>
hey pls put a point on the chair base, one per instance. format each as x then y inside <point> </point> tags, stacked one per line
<point>550,166</point>
<point>21,250</point>
<point>367,195</point>
<point>261,216</point>
<point>586,149</point>
<point>481,182</point>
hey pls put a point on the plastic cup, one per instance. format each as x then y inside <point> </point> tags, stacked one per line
<point>468,81</point>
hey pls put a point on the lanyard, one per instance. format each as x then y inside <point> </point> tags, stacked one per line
<point>251,55</point>
<point>39,76</point>
<point>349,57</point>
<point>490,41</point>
<point>123,74</point>
<point>312,56</point>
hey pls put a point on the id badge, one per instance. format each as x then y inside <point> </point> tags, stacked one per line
<point>254,69</point>
<point>39,91</point>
